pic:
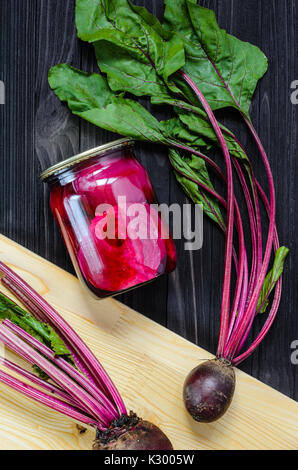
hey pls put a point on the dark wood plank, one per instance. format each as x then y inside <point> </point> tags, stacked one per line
<point>36,131</point>
<point>19,191</point>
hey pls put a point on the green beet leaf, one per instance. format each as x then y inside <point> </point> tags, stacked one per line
<point>90,97</point>
<point>175,131</point>
<point>225,68</point>
<point>41,331</point>
<point>195,168</point>
<point>131,46</point>
<point>199,124</point>
<point>272,278</point>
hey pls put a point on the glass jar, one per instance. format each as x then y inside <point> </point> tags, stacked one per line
<point>103,202</point>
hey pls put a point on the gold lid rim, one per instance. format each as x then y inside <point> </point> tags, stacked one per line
<point>96,151</point>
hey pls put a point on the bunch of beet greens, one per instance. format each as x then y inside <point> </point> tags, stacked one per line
<point>196,68</point>
<point>68,378</point>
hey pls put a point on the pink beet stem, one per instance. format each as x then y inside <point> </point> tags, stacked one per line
<point>258,268</point>
<point>238,312</point>
<point>230,218</point>
<point>49,401</point>
<point>107,408</point>
<point>59,377</point>
<point>40,316</point>
<point>55,320</point>
<point>40,382</point>
<point>241,330</point>
<point>276,300</point>
<point>248,200</point>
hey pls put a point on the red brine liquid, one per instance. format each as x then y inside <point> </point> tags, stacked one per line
<point>114,247</point>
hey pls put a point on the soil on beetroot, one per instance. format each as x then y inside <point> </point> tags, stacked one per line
<point>132,433</point>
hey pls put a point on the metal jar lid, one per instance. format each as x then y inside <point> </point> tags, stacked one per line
<point>102,149</point>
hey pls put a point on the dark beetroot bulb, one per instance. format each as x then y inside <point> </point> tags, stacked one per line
<point>132,433</point>
<point>209,389</point>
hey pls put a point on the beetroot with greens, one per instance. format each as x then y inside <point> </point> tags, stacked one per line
<point>69,377</point>
<point>196,68</point>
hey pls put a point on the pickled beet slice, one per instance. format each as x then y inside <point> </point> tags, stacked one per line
<point>103,184</point>
<point>124,262</point>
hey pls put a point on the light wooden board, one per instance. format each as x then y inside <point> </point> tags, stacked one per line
<point>148,364</point>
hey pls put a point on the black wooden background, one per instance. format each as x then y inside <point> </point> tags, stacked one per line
<point>36,131</point>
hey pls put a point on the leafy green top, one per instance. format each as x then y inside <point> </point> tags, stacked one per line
<point>225,68</point>
<point>41,331</point>
<point>131,46</point>
<point>272,278</point>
